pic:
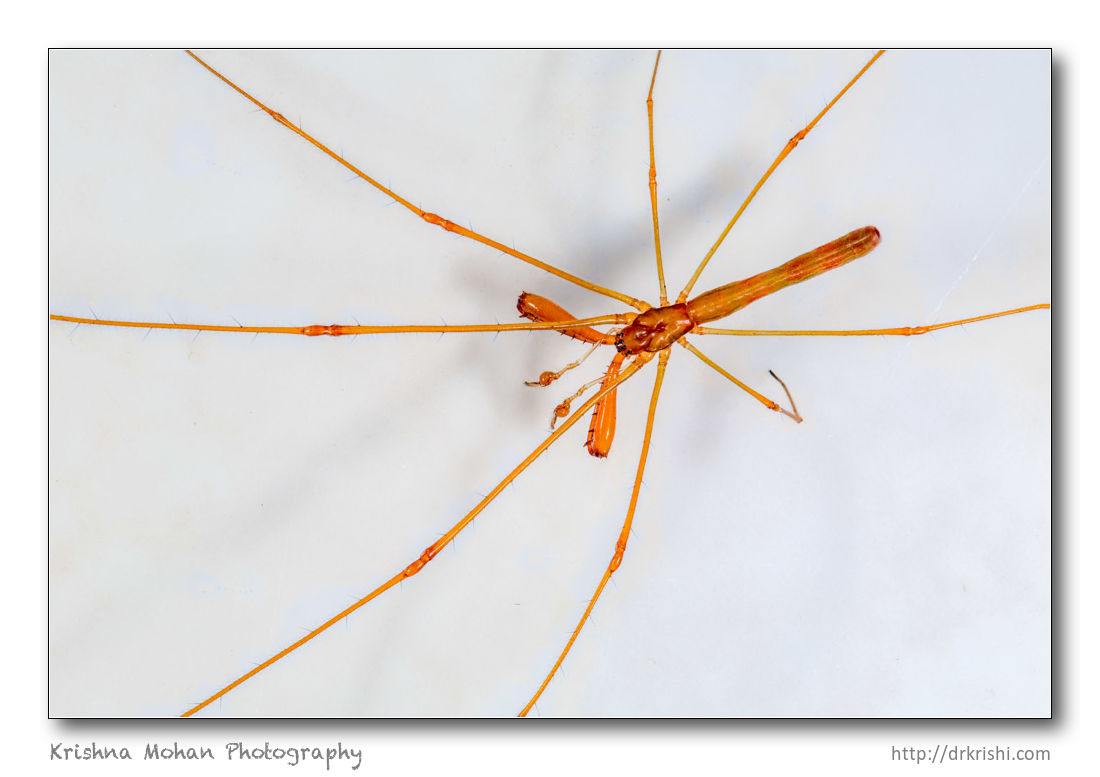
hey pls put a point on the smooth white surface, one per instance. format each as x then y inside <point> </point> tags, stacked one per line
<point>211,496</point>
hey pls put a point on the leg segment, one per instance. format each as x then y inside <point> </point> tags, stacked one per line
<point>431,218</point>
<point>768,403</point>
<point>653,185</point>
<point>905,331</point>
<point>432,550</point>
<point>336,330</point>
<point>620,544</point>
<point>787,149</point>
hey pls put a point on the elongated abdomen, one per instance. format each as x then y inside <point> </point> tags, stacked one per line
<point>719,303</point>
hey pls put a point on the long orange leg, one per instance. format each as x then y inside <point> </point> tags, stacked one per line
<point>904,331</point>
<point>787,149</point>
<point>336,330</point>
<point>768,403</point>
<point>624,535</point>
<point>431,218</point>
<point>653,185</point>
<point>433,550</point>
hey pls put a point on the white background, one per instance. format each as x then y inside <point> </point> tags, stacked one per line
<point>213,497</point>
<point>641,749</point>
